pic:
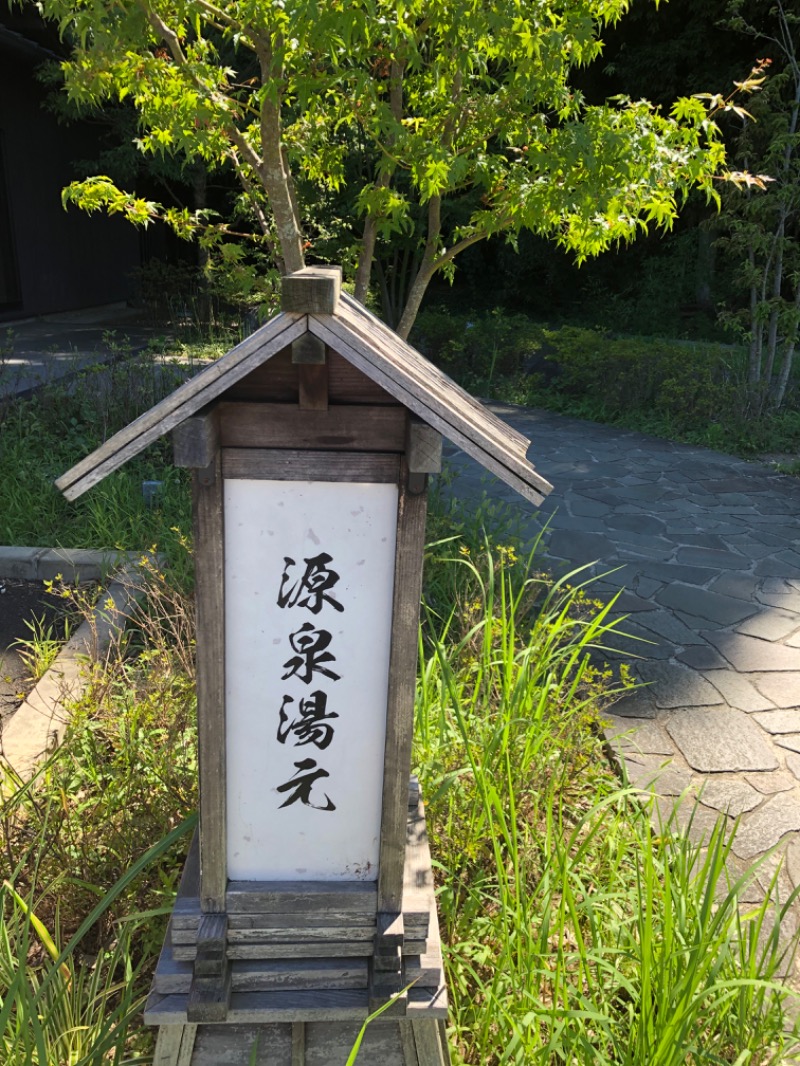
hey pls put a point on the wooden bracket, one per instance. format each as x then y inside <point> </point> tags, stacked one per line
<point>423,455</point>
<point>309,356</point>
<point>196,440</point>
<point>423,448</point>
<point>210,991</point>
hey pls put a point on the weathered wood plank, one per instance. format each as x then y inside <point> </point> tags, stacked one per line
<point>314,288</point>
<point>292,897</point>
<point>290,465</point>
<point>256,1007</point>
<point>298,934</point>
<point>269,949</point>
<point>298,1043</point>
<point>429,1044</point>
<point>186,400</point>
<point>291,1006</point>
<point>210,600</point>
<point>278,380</point>
<point>400,358</point>
<point>423,448</point>
<point>344,427</point>
<point>464,428</point>
<point>312,384</point>
<point>168,1045</point>
<point>195,442</point>
<point>173,977</point>
<point>408,1042</point>
<point>187,1045</point>
<point>326,1044</point>
<point>240,1045</point>
<point>272,922</point>
<point>400,701</point>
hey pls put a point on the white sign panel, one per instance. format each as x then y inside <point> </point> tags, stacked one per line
<point>309,575</point>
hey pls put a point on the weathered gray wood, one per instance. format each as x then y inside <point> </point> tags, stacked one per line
<point>210,989</point>
<point>281,425</point>
<point>319,934</point>
<point>423,449</point>
<point>390,931</point>
<point>174,977</point>
<point>314,288</point>
<point>195,442</point>
<point>186,400</point>
<point>429,1043</point>
<point>241,1045</point>
<point>168,1045</point>
<point>277,381</point>
<point>174,1045</point>
<point>293,897</point>
<point>438,401</point>
<point>400,701</point>
<point>312,384</point>
<point>298,1043</point>
<point>408,1042</point>
<point>210,600</point>
<point>308,350</point>
<point>269,949</point>
<point>428,1003</point>
<point>187,1045</point>
<point>326,1044</point>
<point>187,921</point>
<point>291,465</point>
<point>329,1044</point>
<point>295,1006</point>
<point>209,997</point>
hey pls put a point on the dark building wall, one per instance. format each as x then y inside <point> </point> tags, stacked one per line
<point>63,260</point>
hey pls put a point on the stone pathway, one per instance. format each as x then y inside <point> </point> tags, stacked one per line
<point>706,549</point>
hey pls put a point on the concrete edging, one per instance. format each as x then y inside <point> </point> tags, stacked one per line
<point>38,725</point>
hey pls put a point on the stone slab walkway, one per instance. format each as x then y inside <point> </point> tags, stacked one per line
<point>704,551</point>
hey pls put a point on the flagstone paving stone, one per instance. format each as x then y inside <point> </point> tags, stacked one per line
<point>720,739</point>
<point>705,547</point>
<point>731,795</point>
<point>738,691</point>
<point>764,828</point>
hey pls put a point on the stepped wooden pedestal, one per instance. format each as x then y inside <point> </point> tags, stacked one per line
<point>305,964</point>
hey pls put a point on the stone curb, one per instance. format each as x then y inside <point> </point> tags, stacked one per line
<point>74,564</point>
<point>38,725</point>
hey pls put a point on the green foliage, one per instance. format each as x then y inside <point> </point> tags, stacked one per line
<point>574,931</point>
<point>692,391</point>
<point>125,776</point>
<point>762,232</point>
<point>448,124</point>
<point>45,435</point>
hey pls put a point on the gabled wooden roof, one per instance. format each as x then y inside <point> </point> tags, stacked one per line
<point>373,348</point>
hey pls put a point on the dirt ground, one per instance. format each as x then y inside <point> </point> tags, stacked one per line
<point>20,602</point>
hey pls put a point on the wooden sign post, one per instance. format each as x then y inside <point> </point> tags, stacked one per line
<point>307,901</point>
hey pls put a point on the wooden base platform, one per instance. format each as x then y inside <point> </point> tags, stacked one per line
<point>303,973</point>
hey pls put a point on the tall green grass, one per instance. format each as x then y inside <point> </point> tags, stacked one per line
<point>42,436</point>
<point>575,931</point>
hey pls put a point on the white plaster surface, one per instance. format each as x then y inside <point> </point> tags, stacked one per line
<point>266,522</point>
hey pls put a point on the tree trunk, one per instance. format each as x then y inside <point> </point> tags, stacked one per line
<point>274,173</point>
<point>779,392</point>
